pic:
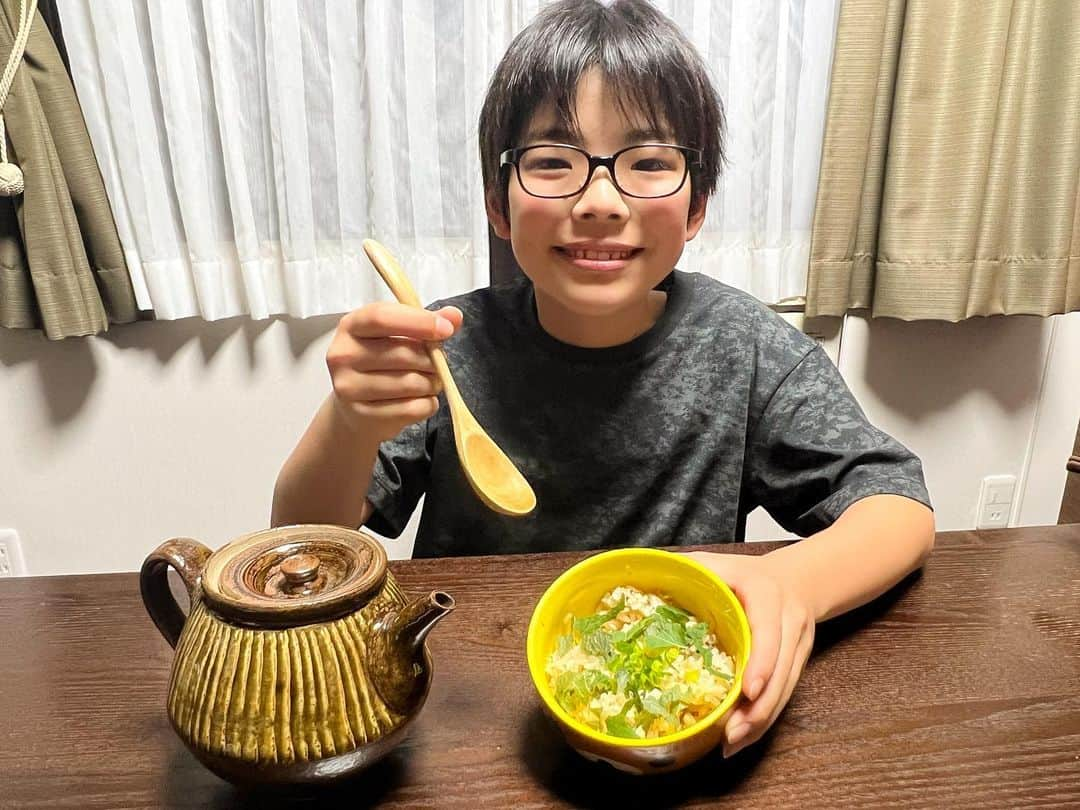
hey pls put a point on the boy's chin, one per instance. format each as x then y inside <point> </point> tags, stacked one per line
<point>602,301</point>
<point>596,296</point>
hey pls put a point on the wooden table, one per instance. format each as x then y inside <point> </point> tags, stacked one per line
<point>960,688</point>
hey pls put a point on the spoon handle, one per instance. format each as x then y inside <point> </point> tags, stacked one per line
<point>442,370</point>
<point>390,271</point>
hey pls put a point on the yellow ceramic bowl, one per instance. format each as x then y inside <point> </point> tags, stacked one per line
<point>689,585</point>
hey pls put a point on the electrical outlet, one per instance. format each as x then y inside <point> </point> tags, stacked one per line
<point>995,502</point>
<point>11,558</point>
<point>994,516</point>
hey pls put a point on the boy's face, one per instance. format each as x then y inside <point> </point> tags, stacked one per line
<point>587,302</point>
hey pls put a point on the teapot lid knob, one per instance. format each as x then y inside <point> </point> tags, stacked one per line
<point>299,569</point>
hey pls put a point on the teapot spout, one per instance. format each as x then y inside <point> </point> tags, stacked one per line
<point>401,665</point>
<point>413,622</point>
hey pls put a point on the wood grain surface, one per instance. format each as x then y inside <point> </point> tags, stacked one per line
<point>959,688</point>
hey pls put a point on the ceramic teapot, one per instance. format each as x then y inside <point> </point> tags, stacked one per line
<point>299,660</point>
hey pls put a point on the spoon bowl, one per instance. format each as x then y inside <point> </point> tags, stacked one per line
<point>492,475</point>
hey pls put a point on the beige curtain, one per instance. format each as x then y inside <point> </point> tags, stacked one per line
<point>950,174</point>
<point>61,265</point>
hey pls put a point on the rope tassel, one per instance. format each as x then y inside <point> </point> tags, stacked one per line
<point>11,176</point>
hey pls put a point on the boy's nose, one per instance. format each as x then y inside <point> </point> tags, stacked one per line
<point>600,199</point>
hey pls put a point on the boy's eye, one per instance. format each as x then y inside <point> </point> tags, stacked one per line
<point>651,160</point>
<point>541,164</point>
<point>651,165</point>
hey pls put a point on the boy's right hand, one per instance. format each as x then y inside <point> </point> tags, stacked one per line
<point>382,374</point>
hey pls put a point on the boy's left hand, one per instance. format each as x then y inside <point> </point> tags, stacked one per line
<point>782,625</point>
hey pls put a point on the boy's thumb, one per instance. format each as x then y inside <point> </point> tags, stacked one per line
<point>452,314</point>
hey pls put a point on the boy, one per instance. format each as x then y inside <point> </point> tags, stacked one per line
<point>645,406</point>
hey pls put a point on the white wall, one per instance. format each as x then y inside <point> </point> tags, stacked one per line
<point>981,397</point>
<point>110,445</point>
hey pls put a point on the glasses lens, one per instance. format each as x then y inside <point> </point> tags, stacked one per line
<point>551,171</point>
<point>651,171</point>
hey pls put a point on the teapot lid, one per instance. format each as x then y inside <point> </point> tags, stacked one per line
<point>294,575</point>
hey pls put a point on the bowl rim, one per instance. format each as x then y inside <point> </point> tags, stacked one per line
<point>624,742</point>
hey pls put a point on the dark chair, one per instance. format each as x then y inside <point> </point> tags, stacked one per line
<point>1070,501</point>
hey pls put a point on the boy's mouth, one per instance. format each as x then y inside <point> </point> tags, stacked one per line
<point>600,257</point>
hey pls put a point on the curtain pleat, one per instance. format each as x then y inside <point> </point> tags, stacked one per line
<point>61,264</point>
<point>950,179</point>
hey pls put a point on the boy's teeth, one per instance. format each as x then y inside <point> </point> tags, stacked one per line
<point>599,255</point>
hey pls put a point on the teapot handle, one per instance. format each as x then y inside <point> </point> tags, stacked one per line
<point>189,558</point>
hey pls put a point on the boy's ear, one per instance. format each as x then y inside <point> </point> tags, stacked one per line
<point>499,223</point>
<point>696,218</point>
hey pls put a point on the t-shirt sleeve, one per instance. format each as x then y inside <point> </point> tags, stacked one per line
<point>813,452</point>
<point>400,477</point>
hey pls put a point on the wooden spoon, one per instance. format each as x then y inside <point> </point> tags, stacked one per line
<point>493,476</point>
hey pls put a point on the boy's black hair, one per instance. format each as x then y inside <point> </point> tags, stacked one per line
<point>645,61</point>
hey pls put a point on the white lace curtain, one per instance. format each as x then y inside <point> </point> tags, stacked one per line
<point>248,146</point>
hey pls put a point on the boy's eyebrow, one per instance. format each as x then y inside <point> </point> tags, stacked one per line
<point>555,133</point>
<point>647,134</point>
<point>560,134</point>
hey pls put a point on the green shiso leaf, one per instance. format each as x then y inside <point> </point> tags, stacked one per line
<point>590,624</point>
<point>564,645</point>
<point>663,635</point>
<point>618,727</point>
<point>654,705</point>
<point>574,689</point>
<point>597,643</point>
<point>673,614</point>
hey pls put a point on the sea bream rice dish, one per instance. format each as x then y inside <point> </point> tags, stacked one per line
<point>640,667</point>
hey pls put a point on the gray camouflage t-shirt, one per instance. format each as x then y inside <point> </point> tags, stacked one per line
<point>670,439</point>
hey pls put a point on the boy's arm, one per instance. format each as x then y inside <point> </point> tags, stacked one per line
<point>875,543</point>
<point>326,477</point>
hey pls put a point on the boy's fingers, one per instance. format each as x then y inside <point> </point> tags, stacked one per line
<point>410,409</point>
<point>757,711</point>
<point>762,613</point>
<point>386,385</point>
<point>393,319</point>
<point>751,729</point>
<point>381,354</point>
<point>762,606</point>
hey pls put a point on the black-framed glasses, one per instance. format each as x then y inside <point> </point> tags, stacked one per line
<point>645,170</point>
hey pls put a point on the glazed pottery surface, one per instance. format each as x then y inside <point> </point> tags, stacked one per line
<point>299,660</point>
